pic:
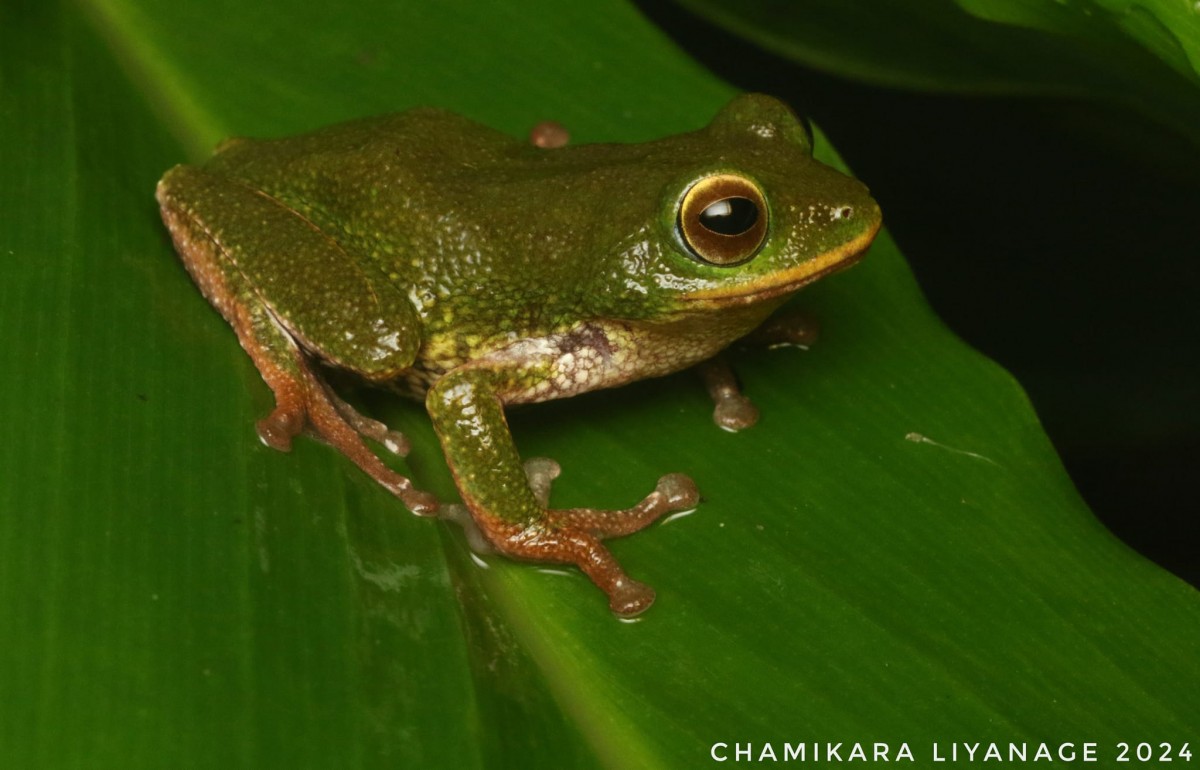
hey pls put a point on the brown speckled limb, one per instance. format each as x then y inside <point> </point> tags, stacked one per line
<point>626,597</point>
<point>303,402</point>
<point>392,440</point>
<point>574,535</point>
<point>507,499</point>
<point>674,492</point>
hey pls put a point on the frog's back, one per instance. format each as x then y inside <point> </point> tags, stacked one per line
<point>421,201</point>
<point>406,147</point>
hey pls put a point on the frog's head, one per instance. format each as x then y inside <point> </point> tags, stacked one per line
<point>746,214</point>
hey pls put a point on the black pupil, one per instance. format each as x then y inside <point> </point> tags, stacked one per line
<point>730,216</point>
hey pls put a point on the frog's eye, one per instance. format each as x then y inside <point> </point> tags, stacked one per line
<point>723,219</point>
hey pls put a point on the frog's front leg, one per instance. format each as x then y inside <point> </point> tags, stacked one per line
<point>467,408</point>
<point>732,411</point>
<point>798,329</point>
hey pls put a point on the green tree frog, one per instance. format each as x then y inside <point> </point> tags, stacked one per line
<point>431,254</point>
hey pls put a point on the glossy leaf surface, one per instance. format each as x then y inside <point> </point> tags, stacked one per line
<point>892,554</point>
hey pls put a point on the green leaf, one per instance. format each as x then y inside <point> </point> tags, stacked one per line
<point>1141,54</point>
<point>893,554</point>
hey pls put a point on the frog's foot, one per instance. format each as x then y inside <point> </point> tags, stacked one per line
<point>541,472</point>
<point>574,536</point>
<point>461,515</point>
<point>674,492</point>
<point>303,402</point>
<point>732,411</point>
<point>798,329</point>
<point>286,422</point>
<point>392,440</point>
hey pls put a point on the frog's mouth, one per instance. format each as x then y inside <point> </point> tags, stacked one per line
<point>784,281</point>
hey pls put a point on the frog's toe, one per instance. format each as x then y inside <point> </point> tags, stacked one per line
<point>628,597</point>
<point>674,492</point>
<point>283,424</point>
<point>735,412</point>
<point>549,135</point>
<point>541,472</point>
<point>570,545</point>
<point>731,410</point>
<point>679,490</point>
<point>306,400</point>
<point>419,501</point>
<point>799,329</point>
<point>461,515</point>
<point>392,440</point>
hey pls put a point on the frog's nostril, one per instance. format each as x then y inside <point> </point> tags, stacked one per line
<point>845,212</point>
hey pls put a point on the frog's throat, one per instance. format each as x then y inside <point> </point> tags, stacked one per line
<point>784,281</point>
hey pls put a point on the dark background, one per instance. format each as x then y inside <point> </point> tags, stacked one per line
<point>1061,239</point>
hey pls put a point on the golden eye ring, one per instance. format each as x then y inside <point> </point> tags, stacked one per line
<point>723,219</point>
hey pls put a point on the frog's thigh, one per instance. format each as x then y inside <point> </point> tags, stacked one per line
<point>335,304</point>
<point>274,354</point>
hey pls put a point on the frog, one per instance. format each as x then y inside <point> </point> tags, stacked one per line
<point>452,263</point>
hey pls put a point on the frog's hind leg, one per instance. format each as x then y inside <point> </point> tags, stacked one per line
<point>304,401</point>
<point>392,440</point>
